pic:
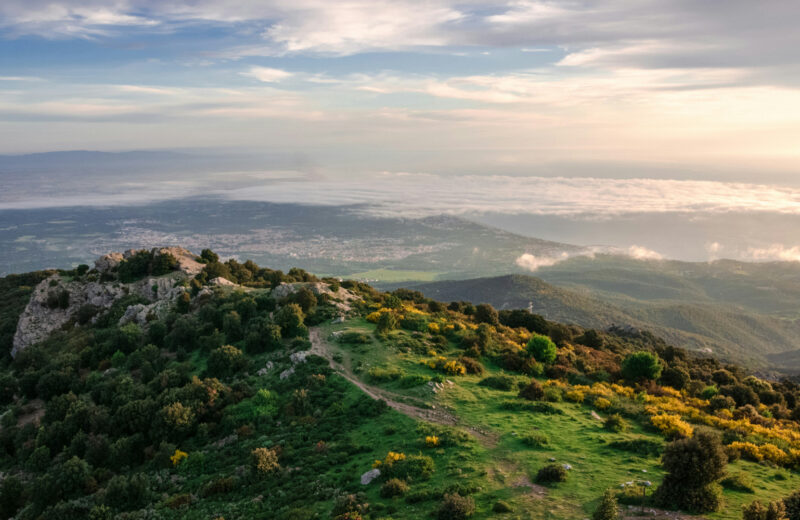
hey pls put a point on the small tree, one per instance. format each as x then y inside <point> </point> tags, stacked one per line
<point>290,319</point>
<point>693,466</point>
<point>758,511</point>
<point>387,322</point>
<point>641,365</point>
<point>485,313</point>
<point>542,349</point>
<point>265,461</point>
<point>608,509</point>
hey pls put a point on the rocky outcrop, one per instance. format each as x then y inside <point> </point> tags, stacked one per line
<point>341,298</point>
<point>57,300</point>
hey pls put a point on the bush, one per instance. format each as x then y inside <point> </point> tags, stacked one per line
<point>455,507</point>
<point>693,468</point>
<point>502,507</point>
<point>641,447</point>
<point>533,391</point>
<point>501,382</point>
<point>608,508</point>
<point>542,349</point>
<point>265,461</point>
<point>355,338</point>
<point>641,365</point>
<point>792,504</point>
<point>226,361</point>
<point>472,365</point>
<point>385,374</point>
<point>551,473</point>
<point>535,440</point>
<point>615,423</point>
<point>739,482</point>
<point>394,487</point>
<point>758,511</point>
<point>409,468</point>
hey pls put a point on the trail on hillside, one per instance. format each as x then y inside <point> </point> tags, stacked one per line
<point>322,347</point>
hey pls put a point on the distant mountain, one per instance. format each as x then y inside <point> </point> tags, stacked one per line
<point>727,331</point>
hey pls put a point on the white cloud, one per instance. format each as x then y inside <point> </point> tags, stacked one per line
<point>774,253</point>
<point>532,262</point>
<point>643,253</point>
<point>267,74</point>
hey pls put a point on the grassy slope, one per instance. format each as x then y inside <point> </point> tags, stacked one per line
<point>738,334</point>
<point>575,438</point>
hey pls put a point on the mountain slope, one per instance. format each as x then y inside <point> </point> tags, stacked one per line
<point>727,331</point>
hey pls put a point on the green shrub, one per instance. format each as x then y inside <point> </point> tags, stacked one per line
<point>455,507</point>
<point>608,508</point>
<point>501,382</point>
<point>218,486</point>
<point>410,468</point>
<point>551,473</point>
<point>641,365</point>
<point>542,349</point>
<point>385,374</point>
<point>739,482</point>
<point>394,487</point>
<point>355,338</point>
<point>535,440</point>
<point>472,365</point>
<point>533,391</point>
<point>792,505</point>
<point>615,423</point>
<point>758,511</point>
<point>502,507</point>
<point>413,380</point>
<point>641,447</point>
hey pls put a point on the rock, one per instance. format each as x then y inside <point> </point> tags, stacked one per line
<point>262,372</point>
<point>107,263</point>
<point>221,282</point>
<point>552,459</point>
<point>286,373</point>
<point>595,415</point>
<point>299,357</point>
<point>187,261</point>
<point>369,476</point>
<point>566,467</point>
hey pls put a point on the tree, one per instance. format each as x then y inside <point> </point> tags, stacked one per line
<point>209,256</point>
<point>290,319</point>
<point>387,322</point>
<point>608,509</point>
<point>758,511</point>
<point>693,466</point>
<point>485,313</point>
<point>676,377</point>
<point>792,505</point>
<point>641,365</point>
<point>542,349</point>
<point>226,361</point>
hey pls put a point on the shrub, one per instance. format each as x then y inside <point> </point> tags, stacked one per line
<point>226,361</point>
<point>485,313</point>
<point>394,487</point>
<point>642,447</point>
<point>533,391</point>
<point>641,365</point>
<point>608,508</point>
<point>576,396</point>
<point>355,338</point>
<point>535,440</point>
<point>472,365</point>
<point>265,461</point>
<point>739,482</point>
<point>693,468</point>
<point>551,473</point>
<point>542,349</point>
<point>385,374</point>
<point>758,511</point>
<point>792,504</point>
<point>601,403</point>
<point>501,382</point>
<point>615,423</point>
<point>455,507</point>
<point>409,467</point>
<point>671,425</point>
<point>218,486</point>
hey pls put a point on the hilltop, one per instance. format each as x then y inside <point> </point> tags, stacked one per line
<point>230,390</point>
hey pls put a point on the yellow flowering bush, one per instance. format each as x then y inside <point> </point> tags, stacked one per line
<point>431,441</point>
<point>745,450</point>
<point>671,425</point>
<point>774,454</point>
<point>178,456</point>
<point>390,459</point>
<point>433,328</point>
<point>576,396</point>
<point>601,403</point>
<point>454,368</point>
<point>623,391</point>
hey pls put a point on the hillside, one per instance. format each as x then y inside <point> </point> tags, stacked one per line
<point>728,332</point>
<point>235,391</point>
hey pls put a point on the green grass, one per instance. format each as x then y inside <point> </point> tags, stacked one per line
<point>502,464</point>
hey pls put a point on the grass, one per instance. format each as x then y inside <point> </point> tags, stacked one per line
<point>502,466</point>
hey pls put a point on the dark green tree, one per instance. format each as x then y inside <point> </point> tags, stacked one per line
<point>641,365</point>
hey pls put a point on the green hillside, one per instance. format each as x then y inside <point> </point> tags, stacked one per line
<point>728,332</point>
<point>274,395</point>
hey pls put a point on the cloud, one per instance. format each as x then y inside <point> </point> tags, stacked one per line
<point>267,75</point>
<point>773,253</point>
<point>643,253</point>
<point>532,262</point>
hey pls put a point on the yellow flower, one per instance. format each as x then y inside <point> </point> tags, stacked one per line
<point>431,441</point>
<point>178,456</point>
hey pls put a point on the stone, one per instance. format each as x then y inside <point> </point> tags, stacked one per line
<point>286,373</point>
<point>299,357</point>
<point>369,476</point>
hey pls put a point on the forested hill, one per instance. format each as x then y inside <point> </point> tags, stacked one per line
<point>729,332</point>
<point>160,384</point>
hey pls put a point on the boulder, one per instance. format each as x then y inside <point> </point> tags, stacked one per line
<point>369,476</point>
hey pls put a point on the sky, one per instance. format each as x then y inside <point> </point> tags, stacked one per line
<point>620,106</point>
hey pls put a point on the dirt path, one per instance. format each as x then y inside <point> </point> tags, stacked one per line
<point>322,347</point>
